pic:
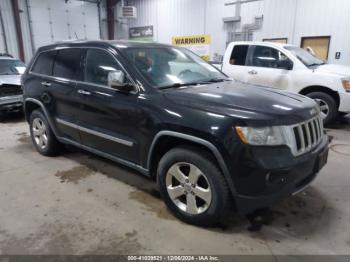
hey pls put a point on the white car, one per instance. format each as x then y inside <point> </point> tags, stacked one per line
<point>11,92</point>
<point>293,69</point>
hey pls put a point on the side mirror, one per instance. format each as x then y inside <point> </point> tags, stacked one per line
<point>116,79</point>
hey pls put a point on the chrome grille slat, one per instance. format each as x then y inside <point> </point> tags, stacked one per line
<point>306,135</point>
<point>301,137</point>
<point>314,126</point>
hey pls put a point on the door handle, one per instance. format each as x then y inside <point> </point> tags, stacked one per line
<point>84,92</point>
<point>47,84</point>
<point>252,72</point>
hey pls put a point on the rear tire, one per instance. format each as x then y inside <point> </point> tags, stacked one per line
<point>193,187</point>
<point>328,106</point>
<point>42,136</point>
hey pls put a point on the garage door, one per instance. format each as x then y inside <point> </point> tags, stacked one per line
<point>320,45</point>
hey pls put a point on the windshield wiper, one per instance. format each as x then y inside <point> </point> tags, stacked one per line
<point>216,80</point>
<point>316,64</point>
<point>212,80</point>
<point>176,85</point>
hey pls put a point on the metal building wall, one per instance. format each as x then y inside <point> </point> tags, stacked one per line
<point>171,17</point>
<point>47,21</point>
<point>53,20</point>
<point>295,19</point>
<point>9,28</point>
<point>191,17</point>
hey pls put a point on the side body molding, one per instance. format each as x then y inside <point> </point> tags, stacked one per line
<point>197,140</point>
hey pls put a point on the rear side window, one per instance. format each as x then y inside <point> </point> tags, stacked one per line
<point>67,63</point>
<point>239,55</point>
<point>44,62</point>
<point>98,64</point>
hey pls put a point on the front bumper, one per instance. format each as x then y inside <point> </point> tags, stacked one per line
<point>344,105</point>
<point>275,175</point>
<point>11,103</point>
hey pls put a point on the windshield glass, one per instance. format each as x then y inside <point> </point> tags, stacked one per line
<point>11,67</point>
<point>304,56</point>
<point>168,66</point>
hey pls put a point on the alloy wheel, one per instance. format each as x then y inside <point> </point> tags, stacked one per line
<point>188,188</point>
<point>39,133</point>
<point>323,107</point>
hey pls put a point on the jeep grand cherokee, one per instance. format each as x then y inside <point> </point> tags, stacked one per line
<point>209,141</point>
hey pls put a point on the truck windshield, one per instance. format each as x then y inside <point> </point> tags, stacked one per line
<point>172,67</point>
<point>304,56</point>
<point>11,67</point>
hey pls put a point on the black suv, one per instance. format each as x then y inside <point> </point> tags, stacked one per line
<point>209,141</point>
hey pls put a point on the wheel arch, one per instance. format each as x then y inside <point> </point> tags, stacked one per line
<point>166,140</point>
<point>323,89</point>
<point>31,104</point>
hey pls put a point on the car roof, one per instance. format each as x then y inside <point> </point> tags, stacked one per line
<point>119,44</point>
<point>261,43</point>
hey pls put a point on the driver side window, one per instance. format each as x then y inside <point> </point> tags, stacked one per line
<point>268,57</point>
<point>98,64</point>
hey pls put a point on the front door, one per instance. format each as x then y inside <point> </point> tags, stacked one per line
<point>267,66</point>
<point>109,120</point>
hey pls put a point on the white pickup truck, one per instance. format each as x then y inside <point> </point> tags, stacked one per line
<point>292,69</point>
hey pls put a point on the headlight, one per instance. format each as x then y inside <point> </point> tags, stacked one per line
<point>346,84</point>
<point>261,136</point>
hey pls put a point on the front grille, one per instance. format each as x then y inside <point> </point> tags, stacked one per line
<point>10,90</point>
<point>307,135</point>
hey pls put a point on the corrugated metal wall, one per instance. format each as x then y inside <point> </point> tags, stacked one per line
<point>54,20</point>
<point>190,17</point>
<point>47,21</point>
<point>290,19</point>
<point>9,32</point>
<point>295,19</point>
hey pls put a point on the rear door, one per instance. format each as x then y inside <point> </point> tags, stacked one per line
<point>58,89</point>
<point>235,63</point>
<point>109,120</point>
<point>266,66</point>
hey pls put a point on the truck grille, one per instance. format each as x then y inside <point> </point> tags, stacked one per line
<point>307,135</point>
<point>10,90</point>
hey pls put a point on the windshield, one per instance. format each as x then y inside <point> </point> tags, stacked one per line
<point>170,66</point>
<point>11,67</point>
<point>304,56</point>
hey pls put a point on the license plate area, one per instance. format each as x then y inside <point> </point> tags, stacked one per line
<point>321,160</point>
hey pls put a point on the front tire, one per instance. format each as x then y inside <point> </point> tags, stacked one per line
<point>42,136</point>
<point>327,104</point>
<point>193,187</point>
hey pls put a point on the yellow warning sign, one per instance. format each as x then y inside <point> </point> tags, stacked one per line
<point>191,40</point>
<point>199,44</point>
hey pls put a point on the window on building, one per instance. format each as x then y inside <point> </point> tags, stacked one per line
<point>67,63</point>
<point>277,40</point>
<point>239,55</point>
<point>317,46</point>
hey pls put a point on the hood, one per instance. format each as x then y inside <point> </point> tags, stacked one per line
<point>10,79</point>
<point>246,102</point>
<point>340,70</point>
